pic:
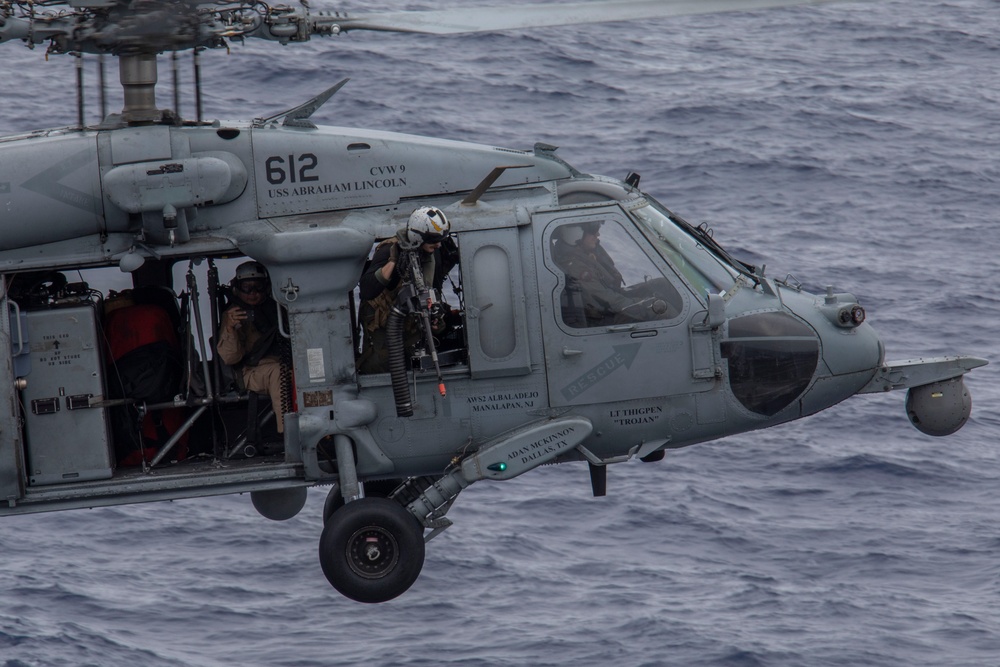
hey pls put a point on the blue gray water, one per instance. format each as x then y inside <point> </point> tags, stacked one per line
<point>852,145</point>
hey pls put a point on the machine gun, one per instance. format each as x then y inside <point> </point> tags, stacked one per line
<point>417,298</point>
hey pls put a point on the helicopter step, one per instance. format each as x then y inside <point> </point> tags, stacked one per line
<point>135,485</point>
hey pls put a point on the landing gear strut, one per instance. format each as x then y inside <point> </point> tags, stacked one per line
<point>380,488</point>
<point>372,549</point>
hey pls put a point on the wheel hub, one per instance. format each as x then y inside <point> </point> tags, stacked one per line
<point>372,552</point>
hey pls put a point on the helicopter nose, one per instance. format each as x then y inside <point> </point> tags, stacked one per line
<point>855,352</point>
<point>850,349</point>
<point>815,353</point>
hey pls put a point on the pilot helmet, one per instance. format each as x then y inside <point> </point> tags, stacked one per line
<point>426,225</point>
<point>573,234</point>
<point>251,277</point>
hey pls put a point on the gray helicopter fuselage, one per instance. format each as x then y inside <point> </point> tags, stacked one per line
<point>720,350</point>
<point>586,322</point>
<point>70,184</point>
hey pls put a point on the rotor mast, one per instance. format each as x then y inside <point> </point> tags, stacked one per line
<point>138,75</point>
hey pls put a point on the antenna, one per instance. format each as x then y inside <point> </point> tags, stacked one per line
<point>299,116</point>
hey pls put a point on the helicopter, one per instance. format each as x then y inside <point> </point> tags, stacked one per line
<point>539,362</point>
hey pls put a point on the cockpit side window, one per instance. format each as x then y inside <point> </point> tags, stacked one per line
<point>608,278</point>
<point>703,270</point>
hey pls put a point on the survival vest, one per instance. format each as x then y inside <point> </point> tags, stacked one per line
<point>376,314</point>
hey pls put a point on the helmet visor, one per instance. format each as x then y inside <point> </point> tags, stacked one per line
<point>431,237</point>
<point>252,286</point>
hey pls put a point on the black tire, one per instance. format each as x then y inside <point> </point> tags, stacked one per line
<point>334,502</point>
<point>380,488</point>
<point>372,550</point>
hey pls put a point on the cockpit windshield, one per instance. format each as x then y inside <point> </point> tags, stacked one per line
<point>703,269</point>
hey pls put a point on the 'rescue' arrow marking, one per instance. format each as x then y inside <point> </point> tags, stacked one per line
<point>623,355</point>
<point>48,183</point>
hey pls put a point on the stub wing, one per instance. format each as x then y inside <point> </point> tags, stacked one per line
<point>920,372</point>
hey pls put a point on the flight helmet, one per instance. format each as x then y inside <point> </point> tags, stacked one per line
<point>426,225</point>
<point>251,276</point>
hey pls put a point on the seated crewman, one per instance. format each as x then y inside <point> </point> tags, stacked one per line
<point>591,271</point>
<point>248,339</point>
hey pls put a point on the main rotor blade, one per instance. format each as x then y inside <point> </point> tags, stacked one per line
<point>489,19</point>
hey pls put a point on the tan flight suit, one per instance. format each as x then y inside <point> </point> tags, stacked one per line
<point>265,377</point>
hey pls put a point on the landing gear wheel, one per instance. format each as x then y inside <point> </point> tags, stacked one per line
<point>334,502</point>
<point>380,488</point>
<point>372,550</point>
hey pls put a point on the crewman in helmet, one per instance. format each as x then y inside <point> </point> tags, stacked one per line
<point>591,272</point>
<point>428,231</point>
<point>248,339</point>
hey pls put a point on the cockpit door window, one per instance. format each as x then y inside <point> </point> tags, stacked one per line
<point>609,280</point>
<point>613,313</point>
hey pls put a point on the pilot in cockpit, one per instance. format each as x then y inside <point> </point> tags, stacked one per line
<point>595,285</point>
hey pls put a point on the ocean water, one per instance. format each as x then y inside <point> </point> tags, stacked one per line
<point>853,145</point>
